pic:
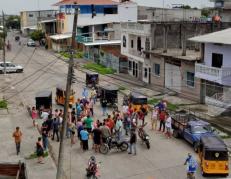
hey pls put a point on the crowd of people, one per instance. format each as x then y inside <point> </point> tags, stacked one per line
<point>81,124</point>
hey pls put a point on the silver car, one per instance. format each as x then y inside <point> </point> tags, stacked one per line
<point>11,68</point>
<point>31,43</point>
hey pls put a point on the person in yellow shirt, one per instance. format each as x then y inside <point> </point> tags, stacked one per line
<point>17,137</point>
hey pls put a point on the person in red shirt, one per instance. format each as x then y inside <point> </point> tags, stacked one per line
<point>162,120</point>
<point>110,123</point>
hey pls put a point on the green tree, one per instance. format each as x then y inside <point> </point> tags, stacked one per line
<point>205,12</point>
<point>186,7</point>
<point>13,22</point>
<point>37,35</point>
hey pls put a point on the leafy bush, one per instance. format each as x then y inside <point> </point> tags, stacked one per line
<point>37,35</point>
<point>3,104</point>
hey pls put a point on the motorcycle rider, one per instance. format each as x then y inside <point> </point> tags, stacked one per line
<point>92,169</point>
<point>192,166</point>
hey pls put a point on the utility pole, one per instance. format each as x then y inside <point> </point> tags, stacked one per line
<point>60,171</point>
<point>4,42</point>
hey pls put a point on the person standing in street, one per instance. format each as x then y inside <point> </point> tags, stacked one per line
<point>104,106</point>
<point>118,128</point>
<point>168,125</point>
<point>154,118</point>
<point>106,132</point>
<point>17,137</point>
<point>133,139</point>
<point>44,131</point>
<point>40,150</point>
<point>84,138</point>
<point>88,123</point>
<point>55,129</point>
<point>162,121</point>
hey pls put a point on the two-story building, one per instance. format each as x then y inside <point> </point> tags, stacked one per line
<point>98,26</point>
<point>136,38</point>
<point>30,19</point>
<point>215,68</point>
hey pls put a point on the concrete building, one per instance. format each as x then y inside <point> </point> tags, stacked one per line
<point>98,26</point>
<point>30,19</point>
<point>215,67</point>
<point>166,14</point>
<point>159,55</point>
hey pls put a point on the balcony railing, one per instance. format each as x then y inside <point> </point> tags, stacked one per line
<point>83,39</point>
<point>211,73</point>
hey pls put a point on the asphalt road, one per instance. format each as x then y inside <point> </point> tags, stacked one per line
<point>43,71</point>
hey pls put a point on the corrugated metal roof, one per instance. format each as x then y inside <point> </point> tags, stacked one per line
<point>86,2</point>
<point>220,37</point>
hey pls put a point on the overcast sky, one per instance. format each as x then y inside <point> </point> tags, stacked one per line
<point>15,6</point>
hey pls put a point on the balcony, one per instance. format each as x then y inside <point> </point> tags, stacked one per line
<point>218,75</point>
<point>90,37</point>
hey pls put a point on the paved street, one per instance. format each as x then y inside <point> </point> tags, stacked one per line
<point>44,71</point>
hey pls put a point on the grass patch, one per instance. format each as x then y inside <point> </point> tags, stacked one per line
<point>99,68</point>
<point>34,155</point>
<point>170,106</point>
<point>76,55</point>
<point>121,88</point>
<point>153,101</point>
<point>3,104</point>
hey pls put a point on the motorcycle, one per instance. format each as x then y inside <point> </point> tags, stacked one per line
<point>113,143</point>
<point>143,135</point>
<point>92,169</point>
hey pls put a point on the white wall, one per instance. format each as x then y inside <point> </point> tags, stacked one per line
<point>224,49</point>
<point>127,12</point>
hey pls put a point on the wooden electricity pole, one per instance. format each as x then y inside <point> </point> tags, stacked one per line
<point>4,42</point>
<point>60,171</point>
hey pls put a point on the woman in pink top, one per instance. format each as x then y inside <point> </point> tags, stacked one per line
<point>34,115</point>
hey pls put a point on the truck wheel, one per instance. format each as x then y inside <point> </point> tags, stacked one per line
<point>175,134</point>
<point>195,146</point>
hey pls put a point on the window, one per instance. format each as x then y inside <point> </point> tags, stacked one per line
<point>124,41</point>
<point>110,10</point>
<point>62,25</point>
<point>129,65</point>
<point>145,72</point>
<point>31,15</point>
<point>217,60</point>
<point>132,43</point>
<point>139,44</point>
<point>190,79</point>
<point>156,69</point>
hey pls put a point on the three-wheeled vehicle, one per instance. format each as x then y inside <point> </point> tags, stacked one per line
<point>213,154</point>
<point>137,100</point>
<point>60,95</point>
<point>109,93</point>
<point>92,79</point>
<point>43,100</point>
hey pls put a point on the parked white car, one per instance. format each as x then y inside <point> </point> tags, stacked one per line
<point>31,43</point>
<point>11,68</point>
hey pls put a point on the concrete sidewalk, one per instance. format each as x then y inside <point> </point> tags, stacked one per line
<point>18,116</point>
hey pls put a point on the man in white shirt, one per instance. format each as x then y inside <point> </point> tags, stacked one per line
<point>44,115</point>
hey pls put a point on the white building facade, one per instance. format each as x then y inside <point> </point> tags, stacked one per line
<point>135,39</point>
<point>215,69</point>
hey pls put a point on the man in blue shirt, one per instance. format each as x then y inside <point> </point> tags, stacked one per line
<point>84,135</point>
<point>192,165</point>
